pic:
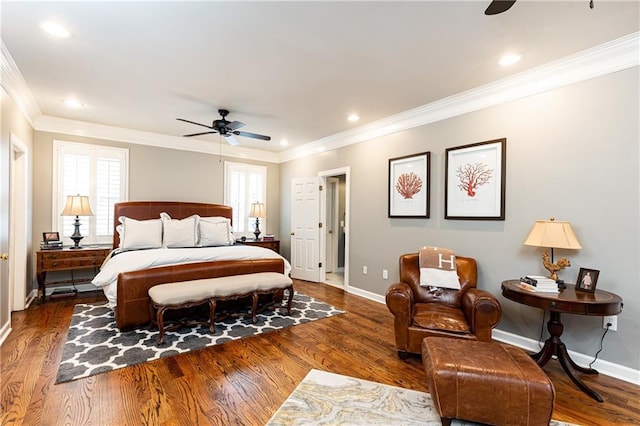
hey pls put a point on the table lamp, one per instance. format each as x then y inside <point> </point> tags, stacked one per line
<point>77,205</point>
<point>258,211</point>
<point>552,234</point>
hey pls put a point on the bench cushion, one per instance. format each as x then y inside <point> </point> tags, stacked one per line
<point>196,290</point>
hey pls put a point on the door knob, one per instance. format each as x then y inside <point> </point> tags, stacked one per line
<point>293,233</point>
<point>4,256</point>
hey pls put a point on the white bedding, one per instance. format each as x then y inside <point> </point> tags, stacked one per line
<point>135,260</point>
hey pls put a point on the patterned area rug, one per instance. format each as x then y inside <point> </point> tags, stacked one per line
<point>95,345</point>
<point>331,399</point>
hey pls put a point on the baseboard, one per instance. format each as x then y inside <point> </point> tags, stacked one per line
<point>5,331</point>
<point>604,367</point>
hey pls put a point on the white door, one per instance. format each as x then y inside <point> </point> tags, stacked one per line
<point>305,229</point>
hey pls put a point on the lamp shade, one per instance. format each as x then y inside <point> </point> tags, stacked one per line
<point>258,210</point>
<point>549,233</point>
<point>77,205</point>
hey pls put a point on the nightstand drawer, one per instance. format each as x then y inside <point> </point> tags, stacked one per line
<point>61,264</point>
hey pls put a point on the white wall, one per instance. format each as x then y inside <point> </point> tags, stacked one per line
<point>572,153</point>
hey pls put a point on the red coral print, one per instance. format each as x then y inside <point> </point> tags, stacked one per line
<point>408,185</point>
<point>473,176</point>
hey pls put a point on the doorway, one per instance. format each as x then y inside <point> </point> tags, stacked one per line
<point>334,236</point>
<point>18,230</point>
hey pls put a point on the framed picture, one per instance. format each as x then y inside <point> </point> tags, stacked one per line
<point>474,183</point>
<point>409,181</point>
<point>587,280</point>
<point>50,237</point>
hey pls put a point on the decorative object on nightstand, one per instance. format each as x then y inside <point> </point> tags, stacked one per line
<point>77,205</point>
<point>258,211</point>
<point>552,234</point>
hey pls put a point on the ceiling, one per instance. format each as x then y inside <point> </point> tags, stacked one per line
<point>291,70</point>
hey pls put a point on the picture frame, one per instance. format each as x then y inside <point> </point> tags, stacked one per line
<point>409,186</point>
<point>475,181</point>
<point>587,280</point>
<point>50,237</point>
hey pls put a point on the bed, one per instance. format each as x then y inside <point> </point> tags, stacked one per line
<point>127,275</point>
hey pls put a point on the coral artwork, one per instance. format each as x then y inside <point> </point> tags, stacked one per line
<point>473,176</point>
<point>408,185</point>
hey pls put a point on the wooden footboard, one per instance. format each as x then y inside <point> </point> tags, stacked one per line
<point>133,298</point>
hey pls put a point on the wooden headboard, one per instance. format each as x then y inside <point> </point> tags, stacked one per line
<point>143,210</point>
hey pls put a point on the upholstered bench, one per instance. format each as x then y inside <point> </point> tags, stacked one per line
<point>186,294</point>
<point>486,382</point>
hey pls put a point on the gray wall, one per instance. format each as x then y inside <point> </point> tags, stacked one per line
<point>154,174</point>
<point>572,153</point>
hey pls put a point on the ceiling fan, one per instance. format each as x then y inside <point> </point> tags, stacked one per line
<point>499,6</point>
<point>226,128</point>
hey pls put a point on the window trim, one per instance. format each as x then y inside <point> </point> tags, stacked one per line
<point>231,166</point>
<point>60,148</point>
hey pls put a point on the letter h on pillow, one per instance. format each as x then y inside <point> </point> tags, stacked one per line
<point>438,268</point>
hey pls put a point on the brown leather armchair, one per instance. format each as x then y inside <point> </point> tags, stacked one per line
<point>468,313</point>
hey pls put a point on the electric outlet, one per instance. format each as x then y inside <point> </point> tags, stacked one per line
<point>611,319</point>
<point>364,270</point>
<point>385,274</point>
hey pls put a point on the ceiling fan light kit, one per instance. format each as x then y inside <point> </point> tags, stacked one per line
<point>227,129</point>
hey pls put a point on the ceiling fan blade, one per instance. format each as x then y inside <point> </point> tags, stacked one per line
<point>193,122</point>
<point>232,141</point>
<point>198,134</point>
<point>499,6</point>
<point>234,125</point>
<point>252,135</point>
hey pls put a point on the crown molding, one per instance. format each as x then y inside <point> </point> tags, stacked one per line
<point>15,86</point>
<point>607,58</point>
<point>45,123</point>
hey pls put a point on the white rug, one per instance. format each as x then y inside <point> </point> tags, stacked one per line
<point>324,398</point>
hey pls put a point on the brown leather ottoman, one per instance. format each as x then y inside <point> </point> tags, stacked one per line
<point>486,382</point>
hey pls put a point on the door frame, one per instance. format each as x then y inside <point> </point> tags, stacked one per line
<point>323,175</point>
<point>18,229</point>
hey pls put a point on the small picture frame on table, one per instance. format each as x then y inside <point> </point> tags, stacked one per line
<point>50,237</point>
<point>587,280</point>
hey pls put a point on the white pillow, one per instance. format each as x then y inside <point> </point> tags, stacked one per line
<point>139,234</point>
<point>179,232</point>
<point>215,231</point>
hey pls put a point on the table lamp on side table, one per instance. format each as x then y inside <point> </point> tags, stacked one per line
<point>77,205</point>
<point>552,234</point>
<point>258,211</point>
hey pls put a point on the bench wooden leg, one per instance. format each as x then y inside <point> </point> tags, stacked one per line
<point>254,307</point>
<point>152,315</point>
<point>212,314</point>
<point>290,301</point>
<point>160,321</point>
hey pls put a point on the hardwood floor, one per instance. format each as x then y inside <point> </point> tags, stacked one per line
<point>242,382</point>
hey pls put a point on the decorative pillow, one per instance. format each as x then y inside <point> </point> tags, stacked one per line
<point>179,232</point>
<point>215,231</point>
<point>438,268</point>
<point>139,234</point>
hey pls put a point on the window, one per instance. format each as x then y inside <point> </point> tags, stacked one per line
<point>100,172</point>
<point>245,184</point>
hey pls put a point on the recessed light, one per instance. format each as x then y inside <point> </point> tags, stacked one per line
<point>510,59</point>
<point>55,29</point>
<point>73,103</point>
<point>284,142</point>
<point>353,117</point>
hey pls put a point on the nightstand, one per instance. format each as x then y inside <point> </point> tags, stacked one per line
<point>270,244</point>
<point>67,260</point>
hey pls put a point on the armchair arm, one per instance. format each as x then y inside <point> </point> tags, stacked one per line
<point>482,311</point>
<point>400,302</point>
